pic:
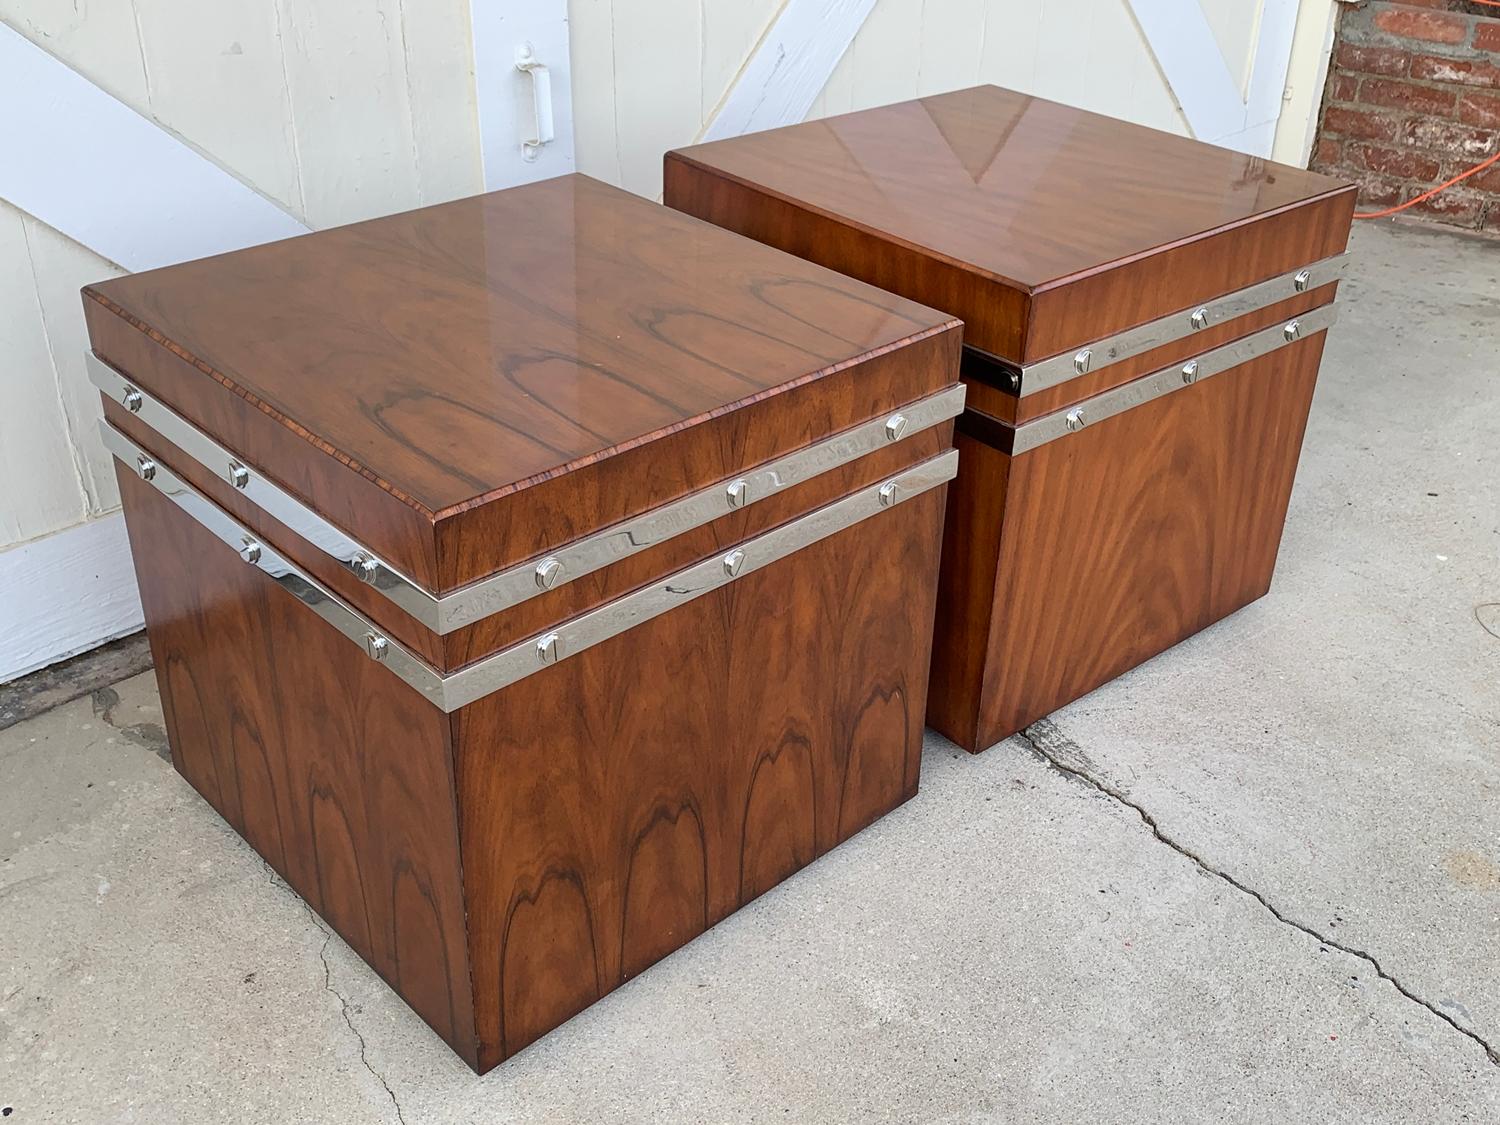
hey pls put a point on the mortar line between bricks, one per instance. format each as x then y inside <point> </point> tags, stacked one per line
<point>1046,729</point>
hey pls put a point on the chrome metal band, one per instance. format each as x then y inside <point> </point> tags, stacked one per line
<point>1016,440</point>
<point>520,660</point>
<point>526,580</point>
<point>1028,379</point>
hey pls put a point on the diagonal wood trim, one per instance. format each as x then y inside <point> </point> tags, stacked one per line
<point>1184,45</point>
<point>790,67</point>
<point>91,167</point>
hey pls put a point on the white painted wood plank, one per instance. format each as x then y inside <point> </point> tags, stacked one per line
<point>953,33</point>
<point>731,34</point>
<point>112,180</point>
<point>62,268</point>
<point>1062,39</point>
<point>657,79</point>
<point>819,107</point>
<point>66,594</point>
<point>1151,102</point>
<point>346,74</point>
<point>42,491</point>
<point>505,95</point>
<point>1189,55</point>
<point>1205,86</point>
<point>1109,44</point>
<point>215,77</point>
<point>439,58</point>
<point>1254,139</point>
<point>97,38</point>
<point>1307,73</point>
<point>837,95</point>
<point>791,65</point>
<point>887,62</point>
<point>591,32</point>
<point>1273,55</point>
<point>1008,57</point>
<point>1233,24</point>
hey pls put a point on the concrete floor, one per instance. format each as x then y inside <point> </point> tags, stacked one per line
<point>1256,880</point>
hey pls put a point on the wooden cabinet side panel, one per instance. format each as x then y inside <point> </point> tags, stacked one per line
<point>332,769</point>
<point>966,592</point>
<point>1137,532</point>
<point>618,804</point>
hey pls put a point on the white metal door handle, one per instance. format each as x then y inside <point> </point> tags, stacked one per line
<point>541,100</point>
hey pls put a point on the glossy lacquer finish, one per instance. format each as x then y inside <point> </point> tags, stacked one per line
<point>610,808</point>
<point>339,775</point>
<point>1040,225</point>
<point>464,383</point>
<point>1046,229</point>
<point>1072,563</point>
<point>461,388</point>
<point>601,832</point>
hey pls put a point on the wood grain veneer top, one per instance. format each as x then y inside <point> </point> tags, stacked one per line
<point>1025,191</point>
<point>458,353</point>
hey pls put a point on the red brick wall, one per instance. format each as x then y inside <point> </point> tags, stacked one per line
<point>1413,97</point>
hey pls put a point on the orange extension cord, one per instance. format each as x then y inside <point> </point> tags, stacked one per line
<point>1480,167</point>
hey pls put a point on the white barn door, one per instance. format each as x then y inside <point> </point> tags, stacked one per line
<point>523,83</point>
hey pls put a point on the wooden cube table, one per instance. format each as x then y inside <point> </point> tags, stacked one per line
<point>1143,320</point>
<point>534,579</point>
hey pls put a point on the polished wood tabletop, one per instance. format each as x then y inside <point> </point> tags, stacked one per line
<point>1041,226</point>
<point>458,352</point>
<point>1027,191</point>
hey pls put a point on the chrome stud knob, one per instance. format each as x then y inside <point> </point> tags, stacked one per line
<point>888,492</point>
<point>738,493</point>
<point>146,468</point>
<point>1074,421</point>
<point>376,646</point>
<point>1190,371</point>
<point>239,476</point>
<point>365,566</point>
<point>1199,319</point>
<point>250,550</point>
<point>1302,280</point>
<point>895,426</point>
<point>132,400</point>
<point>733,562</point>
<point>547,573</point>
<point>549,648</point>
<point>1292,330</point>
<point>1083,361</point>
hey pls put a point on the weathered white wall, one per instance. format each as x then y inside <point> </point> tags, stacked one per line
<point>648,74</point>
<point>1088,53</point>
<point>336,110</point>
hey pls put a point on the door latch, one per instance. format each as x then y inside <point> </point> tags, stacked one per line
<point>541,102</point>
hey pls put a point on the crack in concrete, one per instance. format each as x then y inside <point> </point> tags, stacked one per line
<point>364,1056</point>
<point>1048,743</point>
<point>349,1023</point>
